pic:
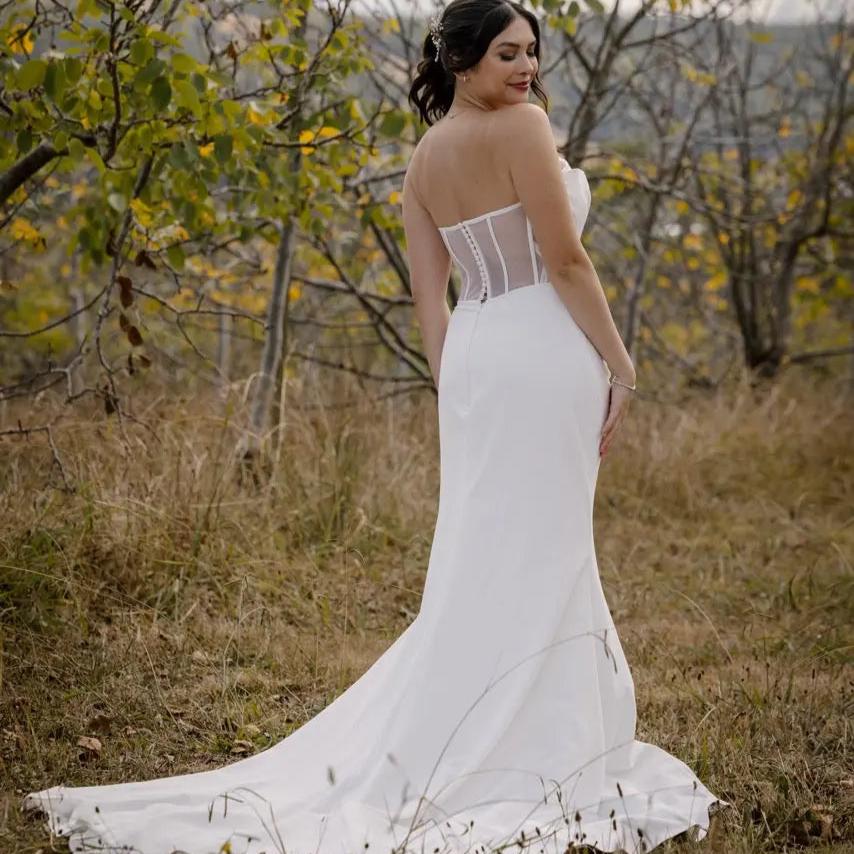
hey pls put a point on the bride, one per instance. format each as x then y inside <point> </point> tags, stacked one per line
<point>504,715</point>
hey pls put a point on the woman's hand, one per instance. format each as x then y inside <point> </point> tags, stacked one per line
<point>618,406</point>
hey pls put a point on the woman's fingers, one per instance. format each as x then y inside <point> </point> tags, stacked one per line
<point>618,406</point>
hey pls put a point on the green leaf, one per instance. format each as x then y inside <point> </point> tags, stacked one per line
<point>184,64</point>
<point>393,123</point>
<point>76,149</point>
<point>223,147</point>
<point>151,71</point>
<point>24,140</point>
<point>175,254</point>
<point>93,155</point>
<point>116,201</point>
<point>141,51</point>
<point>179,158</point>
<point>54,81</point>
<point>73,69</point>
<point>31,74</point>
<point>232,109</point>
<point>187,96</point>
<point>161,93</point>
<point>596,6</point>
<point>162,37</point>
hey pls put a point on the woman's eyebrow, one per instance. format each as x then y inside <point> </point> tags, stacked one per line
<point>515,44</point>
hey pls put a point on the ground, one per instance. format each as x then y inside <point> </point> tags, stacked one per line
<point>169,615</point>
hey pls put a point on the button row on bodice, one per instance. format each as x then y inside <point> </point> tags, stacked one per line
<point>484,277</point>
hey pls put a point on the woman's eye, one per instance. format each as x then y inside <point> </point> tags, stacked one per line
<point>511,58</point>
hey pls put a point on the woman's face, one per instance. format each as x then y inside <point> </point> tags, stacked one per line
<point>508,62</point>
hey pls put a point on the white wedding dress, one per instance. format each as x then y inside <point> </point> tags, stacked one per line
<point>505,713</point>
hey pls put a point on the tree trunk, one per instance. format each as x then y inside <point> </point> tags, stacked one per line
<point>223,350</point>
<point>271,358</point>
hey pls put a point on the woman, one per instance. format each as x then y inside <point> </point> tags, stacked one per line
<point>505,713</point>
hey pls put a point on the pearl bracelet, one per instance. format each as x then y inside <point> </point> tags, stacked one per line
<point>612,380</point>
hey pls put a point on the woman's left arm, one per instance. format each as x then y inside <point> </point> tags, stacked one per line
<point>429,271</point>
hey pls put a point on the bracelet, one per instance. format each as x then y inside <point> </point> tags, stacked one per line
<point>612,380</point>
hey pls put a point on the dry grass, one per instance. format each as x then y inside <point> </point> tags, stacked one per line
<point>184,618</point>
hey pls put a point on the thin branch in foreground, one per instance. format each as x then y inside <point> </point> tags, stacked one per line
<point>25,432</point>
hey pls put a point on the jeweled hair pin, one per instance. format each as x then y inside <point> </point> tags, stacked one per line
<point>436,30</point>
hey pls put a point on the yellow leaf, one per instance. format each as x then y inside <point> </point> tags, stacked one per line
<point>142,212</point>
<point>682,207</point>
<point>391,25</point>
<point>255,117</point>
<point>23,229</point>
<point>294,292</point>
<point>716,282</point>
<point>394,197</point>
<point>19,43</point>
<point>205,150</point>
<point>807,284</point>
<point>327,131</point>
<point>692,241</point>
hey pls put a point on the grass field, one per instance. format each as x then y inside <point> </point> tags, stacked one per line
<point>184,617</point>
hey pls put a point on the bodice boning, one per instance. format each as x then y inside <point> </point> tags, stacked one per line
<point>497,252</point>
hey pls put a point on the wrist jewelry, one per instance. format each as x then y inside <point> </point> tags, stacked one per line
<point>613,380</point>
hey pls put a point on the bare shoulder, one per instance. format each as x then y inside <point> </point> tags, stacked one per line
<point>524,124</point>
<point>411,175</point>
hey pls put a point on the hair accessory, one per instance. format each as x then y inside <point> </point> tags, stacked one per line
<point>436,30</point>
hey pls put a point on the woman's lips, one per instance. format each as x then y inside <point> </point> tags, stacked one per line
<point>520,86</point>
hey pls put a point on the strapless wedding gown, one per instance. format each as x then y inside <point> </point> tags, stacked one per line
<point>505,713</point>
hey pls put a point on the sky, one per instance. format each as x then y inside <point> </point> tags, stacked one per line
<point>772,11</point>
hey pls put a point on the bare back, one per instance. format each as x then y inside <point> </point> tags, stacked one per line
<point>459,167</point>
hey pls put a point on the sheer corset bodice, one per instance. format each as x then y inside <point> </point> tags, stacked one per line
<point>497,252</point>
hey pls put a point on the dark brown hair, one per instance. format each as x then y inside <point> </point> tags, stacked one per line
<point>468,27</point>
